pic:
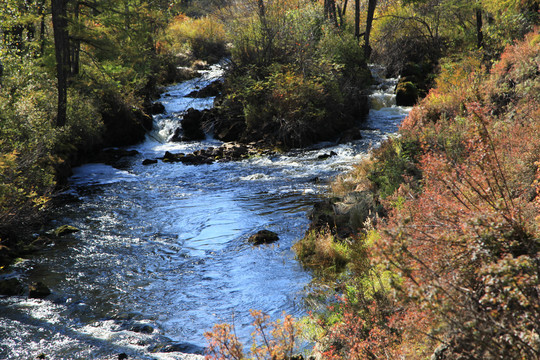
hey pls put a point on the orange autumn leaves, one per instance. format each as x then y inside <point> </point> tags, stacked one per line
<point>466,244</point>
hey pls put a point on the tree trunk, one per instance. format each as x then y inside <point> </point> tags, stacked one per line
<point>479,32</point>
<point>333,12</point>
<point>76,45</point>
<point>341,12</point>
<point>260,5</point>
<point>357,19</point>
<point>61,48</point>
<point>370,13</point>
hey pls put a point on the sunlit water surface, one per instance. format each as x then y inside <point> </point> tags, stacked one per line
<point>162,254</point>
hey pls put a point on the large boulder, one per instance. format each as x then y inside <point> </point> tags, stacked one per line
<point>406,93</point>
<point>344,215</point>
<point>192,125</point>
<point>112,155</point>
<point>154,108</point>
<point>350,135</point>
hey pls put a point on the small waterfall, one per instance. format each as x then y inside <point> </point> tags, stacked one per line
<point>176,103</point>
<point>382,91</point>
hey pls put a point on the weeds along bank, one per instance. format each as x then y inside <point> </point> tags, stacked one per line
<point>443,259</point>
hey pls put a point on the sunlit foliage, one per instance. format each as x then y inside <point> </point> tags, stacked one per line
<point>270,340</point>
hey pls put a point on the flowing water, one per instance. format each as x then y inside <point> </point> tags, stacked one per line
<point>162,253</point>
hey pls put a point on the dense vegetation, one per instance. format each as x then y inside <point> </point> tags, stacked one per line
<point>295,79</point>
<point>439,255</point>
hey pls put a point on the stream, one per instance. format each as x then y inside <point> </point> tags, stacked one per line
<point>162,254</point>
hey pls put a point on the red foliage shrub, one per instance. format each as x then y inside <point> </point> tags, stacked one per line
<point>467,246</point>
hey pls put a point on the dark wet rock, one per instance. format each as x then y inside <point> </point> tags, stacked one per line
<point>155,108</point>
<point>124,316</point>
<point>192,159</point>
<point>350,135</point>
<point>11,286</point>
<point>229,130</point>
<point>177,136</point>
<point>141,328</point>
<point>226,152</point>
<point>38,290</point>
<point>149,161</point>
<point>263,237</point>
<point>170,157</point>
<point>122,356</point>
<point>326,156</point>
<point>64,230</point>
<point>213,89</point>
<point>185,348</point>
<point>41,241</point>
<point>112,155</point>
<point>192,125</point>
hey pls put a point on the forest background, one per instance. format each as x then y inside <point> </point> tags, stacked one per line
<point>444,264</point>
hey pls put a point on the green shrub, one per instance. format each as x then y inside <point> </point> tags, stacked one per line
<point>204,38</point>
<point>395,165</point>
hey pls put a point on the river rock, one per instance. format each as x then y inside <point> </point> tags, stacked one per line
<point>141,328</point>
<point>263,237</point>
<point>192,159</point>
<point>211,90</point>
<point>229,130</point>
<point>64,230</point>
<point>155,108</point>
<point>112,155</point>
<point>326,156</point>
<point>149,161</point>
<point>11,286</point>
<point>406,92</point>
<point>124,125</point>
<point>38,290</point>
<point>192,125</point>
<point>185,348</point>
